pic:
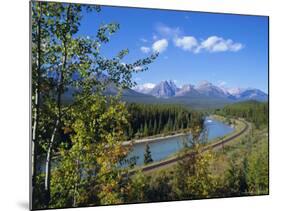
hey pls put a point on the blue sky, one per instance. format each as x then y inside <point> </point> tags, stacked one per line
<point>227,50</point>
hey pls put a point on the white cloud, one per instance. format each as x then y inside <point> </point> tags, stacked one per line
<point>219,47</point>
<point>218,44</point>
<point>186,43</point>
<point>160,45</point>
<point>144,88</point>
<point>166,31</point>
<point>148,85</point>
<point>145,49</point>
<point>211,44</point>
<point>236,47</point>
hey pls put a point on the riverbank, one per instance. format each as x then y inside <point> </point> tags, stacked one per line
<point>153,139</point>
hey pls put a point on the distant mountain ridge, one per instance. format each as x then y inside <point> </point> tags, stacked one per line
<point>203,96</point>
<point>168,89</point>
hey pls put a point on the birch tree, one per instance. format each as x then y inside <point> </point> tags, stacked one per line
<point>73,66</point>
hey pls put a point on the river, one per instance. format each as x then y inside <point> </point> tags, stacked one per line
<point>164,148</point>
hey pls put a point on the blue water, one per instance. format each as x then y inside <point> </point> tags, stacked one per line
<point>166,147</point>
<point>216,128</point>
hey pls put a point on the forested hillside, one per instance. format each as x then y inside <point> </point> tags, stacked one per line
<point>252,111</point>
<point>153,119</point>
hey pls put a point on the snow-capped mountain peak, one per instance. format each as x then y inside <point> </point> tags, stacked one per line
<point>187,87</point>
<point>187,90</point>
<point>252,94</point>
<point>210,90</point>
<point>235,91</point>
<point>204,83</point>
<point>164,89</point>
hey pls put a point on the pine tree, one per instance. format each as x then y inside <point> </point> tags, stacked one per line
<point>155,127</point>
<point>160,126</point>
<point>150,129</point>
<point>147,155</point>
<point>145,129</point>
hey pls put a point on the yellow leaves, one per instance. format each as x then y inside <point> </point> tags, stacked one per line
<point>97,134</point>
<point>195,174</point>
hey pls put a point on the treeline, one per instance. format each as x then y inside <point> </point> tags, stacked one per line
<point>252,111</point>
<point>152,119</point>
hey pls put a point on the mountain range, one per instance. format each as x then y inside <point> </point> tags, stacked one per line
<point>205,95</point>
<point>168,89</point>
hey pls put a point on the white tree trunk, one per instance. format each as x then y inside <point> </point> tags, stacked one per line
<point>49,162</point>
